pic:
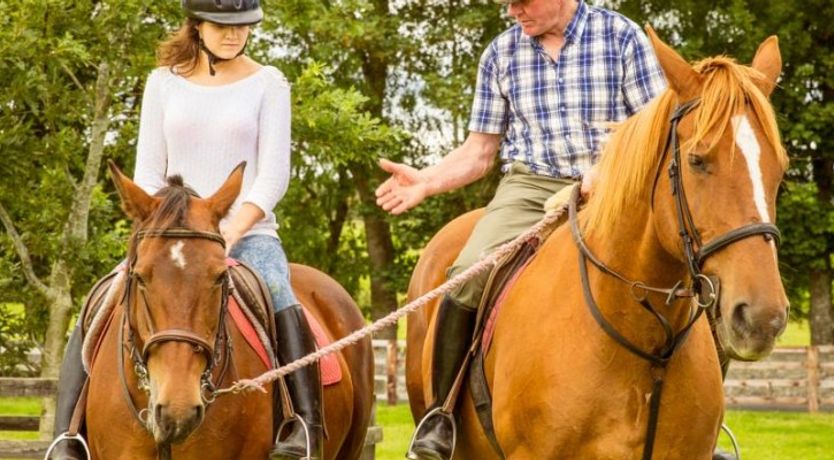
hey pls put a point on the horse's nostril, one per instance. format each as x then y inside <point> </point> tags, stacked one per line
<point>157,413</point>
<point>741,319</point>
<point>199,411</point>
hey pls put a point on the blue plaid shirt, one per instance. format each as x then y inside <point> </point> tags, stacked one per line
<point>553,115</point>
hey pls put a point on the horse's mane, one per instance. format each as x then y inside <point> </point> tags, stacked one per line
<point>630,157</point>
<point>173,209</point>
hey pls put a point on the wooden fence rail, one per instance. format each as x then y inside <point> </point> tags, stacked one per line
<point>798,379</point>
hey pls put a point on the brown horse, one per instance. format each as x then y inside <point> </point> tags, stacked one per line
<point>565,386</point>
<point>178,289</point>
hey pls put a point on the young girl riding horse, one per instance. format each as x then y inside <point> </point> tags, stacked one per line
<point>207,108</point>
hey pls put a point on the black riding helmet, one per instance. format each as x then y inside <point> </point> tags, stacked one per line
<point>225,12</point>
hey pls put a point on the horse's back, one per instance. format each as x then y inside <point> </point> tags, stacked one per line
<point>430,272</point>
<point>347,404</point>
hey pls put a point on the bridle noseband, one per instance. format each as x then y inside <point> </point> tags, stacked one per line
<point>704,289</point>
<point>213,353</point>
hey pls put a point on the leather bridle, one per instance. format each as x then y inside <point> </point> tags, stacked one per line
<point>704,289</point>
<point>214,353</point>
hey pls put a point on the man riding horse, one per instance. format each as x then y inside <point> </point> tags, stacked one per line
<point>547,89</point>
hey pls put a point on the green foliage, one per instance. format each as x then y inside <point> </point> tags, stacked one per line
<point>50,52</point>
<point>807,230</point>
<point>14,343</point>
<point>370,79</point>
<point>318,216</point>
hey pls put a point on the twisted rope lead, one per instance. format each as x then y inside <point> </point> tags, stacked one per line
<point>507,248</point>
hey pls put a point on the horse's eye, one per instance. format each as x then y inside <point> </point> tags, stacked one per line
<point>697,161</point>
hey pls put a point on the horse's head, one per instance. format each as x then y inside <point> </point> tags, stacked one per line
<point>730,164</point>
<point>176,296</point>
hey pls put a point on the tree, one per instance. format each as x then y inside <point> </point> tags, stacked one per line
<point>61,115</point>
<point>394,53</point>
<point>71,86</point>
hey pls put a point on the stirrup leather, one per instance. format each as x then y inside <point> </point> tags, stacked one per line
<point>436,412</point>
<point>66,436</point>
<point>307,435</point>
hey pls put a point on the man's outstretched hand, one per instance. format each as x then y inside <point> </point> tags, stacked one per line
<point>407,187</point>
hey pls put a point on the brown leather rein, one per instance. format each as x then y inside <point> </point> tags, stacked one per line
<point>704,289</point>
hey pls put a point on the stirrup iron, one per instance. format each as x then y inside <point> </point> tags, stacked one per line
<point>299,419</point>
<point>733,440</point>
<point>65,436</point>
<point>439,412</point>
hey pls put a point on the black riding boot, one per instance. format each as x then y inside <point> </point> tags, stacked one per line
<point>70,384</point>
<point>295,340</point>
<point>453,334</point>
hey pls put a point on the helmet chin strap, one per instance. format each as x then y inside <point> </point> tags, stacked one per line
<point>214,59</point>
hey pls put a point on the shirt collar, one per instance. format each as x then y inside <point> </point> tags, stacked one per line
<point>577,23</point>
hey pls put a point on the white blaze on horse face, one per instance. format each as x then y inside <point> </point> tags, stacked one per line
<point>749,146</point>
<point>176,254</point>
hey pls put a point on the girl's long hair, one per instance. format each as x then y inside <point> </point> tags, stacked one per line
<point>181,50</point>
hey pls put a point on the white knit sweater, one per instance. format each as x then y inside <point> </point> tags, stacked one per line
<point>203,132</point>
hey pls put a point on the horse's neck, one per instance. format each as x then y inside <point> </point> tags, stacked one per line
<point>633,250</point>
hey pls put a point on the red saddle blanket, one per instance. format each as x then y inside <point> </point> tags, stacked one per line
<point>489,327</point>
<point>331,372</point>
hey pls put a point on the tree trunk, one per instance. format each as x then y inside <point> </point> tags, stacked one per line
<point>377,231</point>
<point>380,251</point>
<point>337,219</point>
<point>75,236</point>
<point>821,317</point>
<point>53,352</point>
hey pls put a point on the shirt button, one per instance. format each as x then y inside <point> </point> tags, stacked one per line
<point>567,136</point>
<point>562,108</point>
<point>561,80</point>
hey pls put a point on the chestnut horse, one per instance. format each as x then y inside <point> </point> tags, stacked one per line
<point>178,283</point>
<point>573,370</point>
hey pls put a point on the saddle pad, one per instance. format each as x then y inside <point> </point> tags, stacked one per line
<point>489,328</point>
<point>331,371</point>
<point>247,330</point>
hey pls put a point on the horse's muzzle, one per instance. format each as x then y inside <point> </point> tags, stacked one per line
<point>752,331</point>
<point>172,425</point>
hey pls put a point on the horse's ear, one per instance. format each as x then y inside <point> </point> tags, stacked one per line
<point>682,78</point>
<point>768,61</point>
<point>137,204</point>
<point>223,198</point>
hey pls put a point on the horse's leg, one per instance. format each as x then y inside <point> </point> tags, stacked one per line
<point>347,404</point>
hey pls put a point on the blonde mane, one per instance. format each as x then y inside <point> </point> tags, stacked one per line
<point>629,159</point>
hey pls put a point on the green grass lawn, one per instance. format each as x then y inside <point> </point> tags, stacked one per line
<point>796,335</point>
<point>19,406</point>
<point>762,435</point>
